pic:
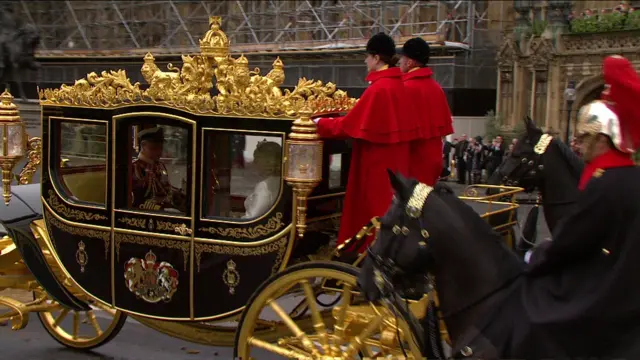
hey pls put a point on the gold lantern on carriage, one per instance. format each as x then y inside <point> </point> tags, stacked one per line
<point>303,163</point>
<point>14,141</point>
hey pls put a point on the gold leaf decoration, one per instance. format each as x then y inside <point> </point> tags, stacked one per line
<point>272,225</point>
<point>185,246</point>
<point>34,156</point>
<point>279,246</point>
<point>60,208</point>
<point>135,222</point>
<point>83,232</point>
<point>241,92</point>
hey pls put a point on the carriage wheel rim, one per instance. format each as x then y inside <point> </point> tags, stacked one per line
<point>53,326</point>
<point>328,343</point>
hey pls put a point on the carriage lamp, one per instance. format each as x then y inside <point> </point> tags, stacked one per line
<point>14,141</point>
<point>303,164</point>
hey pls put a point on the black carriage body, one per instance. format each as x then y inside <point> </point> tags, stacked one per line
<point>211,264</point>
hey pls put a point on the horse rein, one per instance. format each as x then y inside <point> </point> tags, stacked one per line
<point>532,166</point>
<point>386,269</point>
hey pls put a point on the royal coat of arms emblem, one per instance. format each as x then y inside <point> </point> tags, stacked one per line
<point>152,282</point>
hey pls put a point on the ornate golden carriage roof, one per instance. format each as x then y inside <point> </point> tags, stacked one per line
<point>241,91</point>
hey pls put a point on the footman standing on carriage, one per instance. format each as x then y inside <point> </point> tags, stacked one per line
<point>381,128</point>
<point>430,108</point>
<point>580,297</point>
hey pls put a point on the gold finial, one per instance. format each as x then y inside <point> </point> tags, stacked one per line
<point>149,58</point>
<point>242,60</point>
<point>278,64</point>
<point>215,42</point>
<point>8,110</point>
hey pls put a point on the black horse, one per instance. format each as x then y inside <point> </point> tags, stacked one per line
<point>540,162</point>
<point>486,299</point>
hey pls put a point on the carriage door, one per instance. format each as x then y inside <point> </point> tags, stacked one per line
<point>153,213</point>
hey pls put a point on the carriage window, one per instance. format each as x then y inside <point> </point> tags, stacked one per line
<point>81,164</point>
<point>335,171</point>
<point>244,174</point>
<point>159,168</point>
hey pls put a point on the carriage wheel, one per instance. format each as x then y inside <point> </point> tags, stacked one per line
<point>82,330</point>
<point>352,329</point>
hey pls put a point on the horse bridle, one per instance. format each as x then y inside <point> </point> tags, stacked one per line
<point>385,269</point>
<point>528,167</point>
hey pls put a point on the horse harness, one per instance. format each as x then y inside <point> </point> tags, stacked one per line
<point>529,167</point>
<point>385,270</point>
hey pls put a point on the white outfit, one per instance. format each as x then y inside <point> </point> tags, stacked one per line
<point>262,198</point>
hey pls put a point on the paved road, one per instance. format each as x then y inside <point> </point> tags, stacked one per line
<point>135,341</point>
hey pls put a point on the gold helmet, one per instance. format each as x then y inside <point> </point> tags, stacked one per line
<point>617,115</point>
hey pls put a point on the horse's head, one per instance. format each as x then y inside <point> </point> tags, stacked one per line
<point>430,230</point>
<point>524,165</point>
<point>538,161</point>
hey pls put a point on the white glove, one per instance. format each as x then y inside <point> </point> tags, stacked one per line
<point>316,120</point>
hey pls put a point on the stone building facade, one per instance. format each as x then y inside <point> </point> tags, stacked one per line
<point>535,69</point>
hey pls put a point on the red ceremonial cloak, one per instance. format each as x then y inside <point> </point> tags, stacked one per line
<point>432,114</point>
<point>381,129</point>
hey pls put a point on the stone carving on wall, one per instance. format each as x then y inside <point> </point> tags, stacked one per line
<point>623,41</point>
<point>541,52</point>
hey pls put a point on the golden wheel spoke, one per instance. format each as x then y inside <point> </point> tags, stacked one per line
<point>318,324</point>
<point>94,322</point>
<point>288,321</point>
<point>292,354</point>
<point>342,315</point>
<point>76,324</point>
<point>357,342</point>
<point>61,317</point>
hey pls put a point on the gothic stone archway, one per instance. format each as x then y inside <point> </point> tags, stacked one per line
<point>534,72</point>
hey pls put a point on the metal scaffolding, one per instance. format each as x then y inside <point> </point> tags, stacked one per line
<point>175,24</point>
<point>95,29</point>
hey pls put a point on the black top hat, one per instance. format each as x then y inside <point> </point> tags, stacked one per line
<point>381,44</point>
<point>416,49</point>
<point>155,134</point>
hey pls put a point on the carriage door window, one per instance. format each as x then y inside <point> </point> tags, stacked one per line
<point>81,161</point>
<point>159,168</point>
<point>244,174</point>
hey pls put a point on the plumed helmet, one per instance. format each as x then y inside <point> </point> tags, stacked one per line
<point>416,49</point>
<point>618,114</point>
<point>381,44</point>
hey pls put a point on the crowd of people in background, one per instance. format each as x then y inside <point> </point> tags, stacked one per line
<point>473,160</point>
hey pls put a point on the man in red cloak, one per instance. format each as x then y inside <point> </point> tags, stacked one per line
<point>381,129</point>
<point>430,109</point>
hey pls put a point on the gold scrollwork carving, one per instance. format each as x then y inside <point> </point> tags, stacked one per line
<point>71,213</point>
<point>105,236</point>
<point>273,225</point>
<point>135,222</point>
<point>165,225</point>
<point>240,91</point>
<point>34,156</point>
<point>151,241</point>
<point>279,246</point>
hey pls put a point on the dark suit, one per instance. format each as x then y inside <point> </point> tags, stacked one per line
<point>461,166</point>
